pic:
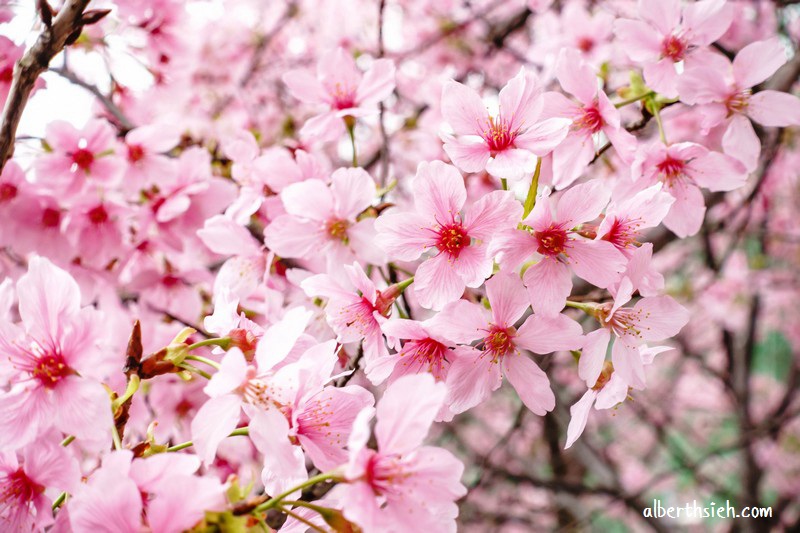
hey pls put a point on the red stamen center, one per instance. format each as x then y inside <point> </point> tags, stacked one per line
<point>51,218</point>
<point>7,192</point>
<point>673,48</point>
<point>498,135</point>
<point>452,239</point>
<point>552,241</point>
<point>83,158</point>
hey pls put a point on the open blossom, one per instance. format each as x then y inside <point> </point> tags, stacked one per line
<point>592,114</point>
<point>458,237</point>
<point>477,371</point>
<point>356,315</point>
<point>609,390</point>
<point>322,220</point>
<point>668,33</point>
<point>552,237</point>
<point>683,168</point>
<point>724,91</point>
<point>403,485</point>
<point>144,149</point>
<point>341,87</point>
<point>624,221</point>
<point>505,145</point>
<point>28,487</point>
<point>78,156</point>
<point>651,319</point>
<point>55,357</point>
<point>425,349</point>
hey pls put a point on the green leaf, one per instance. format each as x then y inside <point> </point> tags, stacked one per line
<point>773,356</point>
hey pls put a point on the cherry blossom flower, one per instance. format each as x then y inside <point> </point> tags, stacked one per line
<point>624,221</point>
<point>667,34</point>
<point>55,355</point>
<point>724,90</point>
<point>505,145</point>
<point>561,248</point>
<point>683,168</point>
<point>477,371</point>
<point>459,239</point>
<point>402,485</point>
<point>609,390</point>
<point>323,220</point>
<point>341,87</point>
<point>591,115</point>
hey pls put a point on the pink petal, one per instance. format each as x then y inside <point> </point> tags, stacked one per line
<point>741,142</point>
<point>545,334</point>
<point>460,321</point>
<point>571,157</point>
<point>593,355</point>
<point>661,317</point>
<point>707,20</point>
<point>439,191</point>
<point>575,76</point>
<point>471,380</point>
<point>404,236</point>
<point>758,61</point>
<point>304,86</point>
<point>773,108</point>
<point>494,212</point>
<point>664,15</point>
<point>662,77</point>
<point>82,408</point>
<point>582,203</point>
<point>353,190</point>
<point>224,236</point>
<point>549,284</point>
<point>579,414</point>
<point>511,247</point>
<point>463,109</point>
<point>628,363</point>
<point>703,80</point>
<point>468,154</point>
<point>512,164</point>
<point>639,40</point>
<point>278,339</point>
<point>24,414</point>
<point>48,296</point>
<point>403,425</point>
<point>507,297</point>
<point>284,463</point>
<point>310,199</point>
<point>230,376</point>
<point>213,422</point>
<point>289,236</point>
<point>322,128</point>
<point>519,99</point>
<point>686,215</point>
<point>530,382</point>
<point>377,83</point>
<point>472,265</point>
<point>544,136</point>
<point>598,262</point>
<point>718,172</point>
<point>614,392</point>
<point>437,282</point>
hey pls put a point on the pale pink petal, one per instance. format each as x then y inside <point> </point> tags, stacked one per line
<point>593,355</point>
<point>463,109</point>
<point>575,76</point>
<point>377,83</point>
<point>571,157</point>
<point>519,99</point>
<point>284,463</point>
<point>582,203</point>
<point>530,382</point>
<point>545,334</point>
<point>496,211</point>
<point>437,282</point>
<point>470,154</point>
<point>230,376</point>
<point>224,236</point>
<point>628,363</point>
<point>472,265</point>
<point>717,172</point>
<point>322,128</point>
<point>614,392</point>
<point>664,15</point>
<point>402,328</point>
<point>507,297</point>
<point>289,236</point>
<point>404,236</point>
<point>310,199</point>
<point>579,414</point>
<point>82,408</point>
<point>214,421</point>
<point>624,143</point>
<point>758,61</point>
<point>512,164</point>
<point>544,136</point>
<point>686,215</point>
<point>741,142</point>
<point>278,339</point>
<point>24,414</point>
<point>115,505</point>
<point>403,425</point>
<point>598,262</point>
<point>353,190</point>
<point>48,296</point>
<point>549,283</point>
<point>471,380</point>
<point>556,105</point>
<point>703,81</point>
<point>660,318</point>
<point>170,511</point>
<point>662,77</point>
<point>439,191</point>
<point>639,40</point>
<point>708,20</point>
<point>461,321</point>
<point>511,247</point>
<point>304,86</point>
<point>773,108</point>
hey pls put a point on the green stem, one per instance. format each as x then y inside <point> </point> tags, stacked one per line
<point>66,442</point>
<point>351,130</point>
<point>303,520</point>
<point>58,501</point>
<point>530,199</point>
<point>130,390</point>
<point>586,308</point>
<point>657,115</point>
<point>275,500</point>
<point>188,444</point>
<point>194,370</point>
<point>403,285</point>
<point>504,184</point>
<point>223,342</point>
<point>204,360</point>
<point>634,99</point>
<point>115,437</point>
<point>300,503</point>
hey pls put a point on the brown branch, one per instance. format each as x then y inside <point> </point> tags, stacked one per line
<point>51,41</point>
<point>124,123</point>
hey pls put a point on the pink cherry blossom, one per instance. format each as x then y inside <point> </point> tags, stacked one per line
<point>506,145</point>
<point>342,88</point>
<point>459,236</point>
<point>550,235</point>
<point>609,391</point>
<point>724,90</point>
<point>592,114</point>
<point>624,221</point>
<point>402,485</point>
<point>477,371</point>
<point>55,354</point>
<point>668,33</point>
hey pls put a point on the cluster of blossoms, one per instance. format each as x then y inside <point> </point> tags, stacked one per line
<point>203,313</point>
